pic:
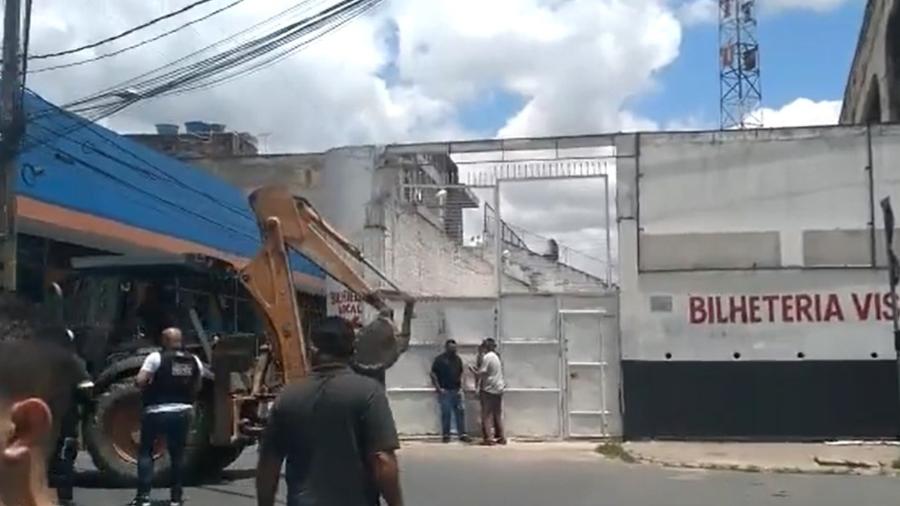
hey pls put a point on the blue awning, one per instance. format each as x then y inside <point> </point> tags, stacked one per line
<point>70,162</point>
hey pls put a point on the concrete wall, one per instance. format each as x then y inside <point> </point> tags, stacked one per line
<point>752,305</point>
<point>300,172</point>
<point>421,257</point>
<point>541,274</point>
<point>766,249</point>
<point>356,189</point>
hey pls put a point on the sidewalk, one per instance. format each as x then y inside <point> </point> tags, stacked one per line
<point>842,457</point>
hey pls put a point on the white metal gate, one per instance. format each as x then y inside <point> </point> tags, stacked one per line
<point>589,332</point>
<point>560,359</point>
<point>413,401</point>
<point>530,351</point>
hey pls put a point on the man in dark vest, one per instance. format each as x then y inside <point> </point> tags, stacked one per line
<point>170,380</point>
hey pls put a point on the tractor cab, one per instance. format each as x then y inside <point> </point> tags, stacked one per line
<point>117,306</point>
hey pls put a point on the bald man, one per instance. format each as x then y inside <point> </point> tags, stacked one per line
<point>169,381</point>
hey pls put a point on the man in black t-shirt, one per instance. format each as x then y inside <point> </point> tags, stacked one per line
<point>336,431</point>
<point>446,376</point>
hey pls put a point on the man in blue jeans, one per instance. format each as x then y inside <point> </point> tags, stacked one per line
<point>446,376</point>
<point>169,381</point>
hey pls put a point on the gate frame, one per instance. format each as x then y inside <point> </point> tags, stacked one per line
<point>604,364</point>
<point>501,173</point>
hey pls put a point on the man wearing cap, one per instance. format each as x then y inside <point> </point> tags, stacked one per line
<point>334,429</point>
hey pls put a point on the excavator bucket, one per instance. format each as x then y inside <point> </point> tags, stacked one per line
<point>379,344</point>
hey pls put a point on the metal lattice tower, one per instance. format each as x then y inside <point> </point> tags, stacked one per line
<point>739,84</point>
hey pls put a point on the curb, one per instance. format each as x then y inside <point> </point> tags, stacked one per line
<point>828,469</point>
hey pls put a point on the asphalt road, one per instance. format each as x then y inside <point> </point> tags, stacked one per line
<point>548,475</point>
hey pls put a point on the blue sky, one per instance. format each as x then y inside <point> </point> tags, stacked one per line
<point>803,54</point>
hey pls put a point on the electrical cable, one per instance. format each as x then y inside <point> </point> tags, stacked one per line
<point>160,174</point>
<point>271,61</point>
<point>83,105</point>
<point>237,54</point>
<point>139,44</point>
<point>122,34</point>
<point>275,17</point>
<point>214,69</point>
<point>137,188</point>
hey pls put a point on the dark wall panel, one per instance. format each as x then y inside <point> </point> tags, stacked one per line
<point>761,400</point>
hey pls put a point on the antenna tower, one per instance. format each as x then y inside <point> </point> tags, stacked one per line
<point>740,91</point>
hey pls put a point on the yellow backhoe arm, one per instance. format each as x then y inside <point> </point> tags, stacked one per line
<point>289,222</point>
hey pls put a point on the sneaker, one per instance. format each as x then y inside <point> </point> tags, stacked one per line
<point>465,439</point>
<point>445,439</point>
<point>140,501</point>
<point>501,441</point>
<point>176,503</point>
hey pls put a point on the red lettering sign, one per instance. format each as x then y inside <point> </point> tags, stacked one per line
<point>347,305</point>
<point>789,308</point>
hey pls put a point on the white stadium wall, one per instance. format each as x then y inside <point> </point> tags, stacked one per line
<point>751,302</point>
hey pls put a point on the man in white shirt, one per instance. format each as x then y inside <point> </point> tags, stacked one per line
<point>169,381</point>
<point>489,370</point>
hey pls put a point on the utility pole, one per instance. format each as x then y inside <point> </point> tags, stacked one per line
<point>12,127</point>
<point>893,267</point>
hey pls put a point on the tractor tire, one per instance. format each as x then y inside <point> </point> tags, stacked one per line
<point>112,436</point>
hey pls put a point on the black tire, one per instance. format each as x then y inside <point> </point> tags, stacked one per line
<point>111,435</point>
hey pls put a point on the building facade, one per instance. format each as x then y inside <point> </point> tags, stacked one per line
<point>84,190</point>
<point>872,94</point>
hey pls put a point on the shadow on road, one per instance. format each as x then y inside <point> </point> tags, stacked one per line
<point>95,479</point>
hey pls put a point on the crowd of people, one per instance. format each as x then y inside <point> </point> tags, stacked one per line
<point>334,433</point>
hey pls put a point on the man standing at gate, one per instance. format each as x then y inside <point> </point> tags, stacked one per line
<point>446,376</point>
<point>489,370</point>
<point>170,380</point>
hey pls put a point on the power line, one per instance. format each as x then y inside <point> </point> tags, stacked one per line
<point>278,57</point>
<point>122,34</point>
<point>269,20</point>
<point>80,105</point>
<point>157,174</point>
<point>124,182</point>
<point>218,67</point>
<point>139,44</point>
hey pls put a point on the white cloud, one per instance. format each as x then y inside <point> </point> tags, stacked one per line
<point>694,12</point>
<point>813,5</point>
<point>803,112</point>
<point>574,63</point>
<point>329,94</point>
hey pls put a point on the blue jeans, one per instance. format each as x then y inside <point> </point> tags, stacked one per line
<point>174,427</point>
<point>452,404</point>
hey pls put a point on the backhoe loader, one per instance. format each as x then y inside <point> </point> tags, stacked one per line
<point>246,322</point>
